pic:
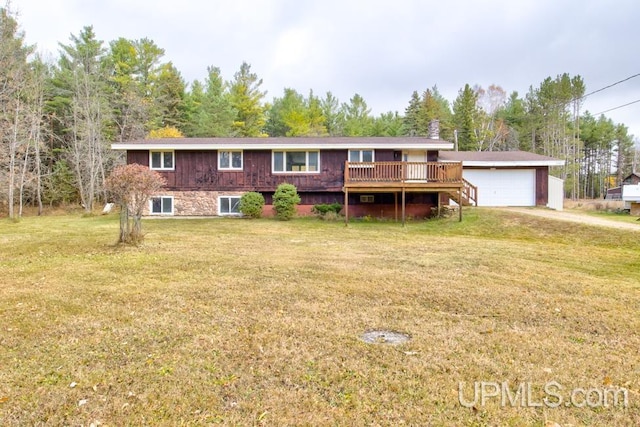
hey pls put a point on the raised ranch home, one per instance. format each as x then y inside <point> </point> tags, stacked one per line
<point>377,176</point>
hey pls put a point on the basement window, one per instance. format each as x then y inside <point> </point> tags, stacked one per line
<point>162,205</point>
<point>367,198</point>
<point>229,205</point>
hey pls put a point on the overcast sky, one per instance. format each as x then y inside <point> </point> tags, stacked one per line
<point>382,50</point>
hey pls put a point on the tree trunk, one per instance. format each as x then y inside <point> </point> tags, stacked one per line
<point>124,223</point>
<point>22,180</point>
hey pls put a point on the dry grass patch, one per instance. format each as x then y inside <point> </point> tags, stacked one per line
<point>258,322</point>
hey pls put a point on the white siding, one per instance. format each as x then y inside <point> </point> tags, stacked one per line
<point>556,193</point>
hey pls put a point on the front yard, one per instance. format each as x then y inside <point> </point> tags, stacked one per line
<point>258,322</point>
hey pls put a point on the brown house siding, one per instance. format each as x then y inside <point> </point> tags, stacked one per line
<point>195,183</point>
<point>198,170</point>
<point>140,157</point>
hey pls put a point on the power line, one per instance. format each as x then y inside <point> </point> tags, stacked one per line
<point>607,87</point>
<point>619,106</point>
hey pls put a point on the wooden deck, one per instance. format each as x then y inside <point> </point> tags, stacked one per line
<point>386,176</point>
<point>403,177</point>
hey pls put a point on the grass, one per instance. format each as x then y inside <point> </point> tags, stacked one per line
<point>257,322</point>
<point>608,209</point>
<point>617,216</point>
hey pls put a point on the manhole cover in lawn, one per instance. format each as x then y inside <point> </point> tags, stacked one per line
<point>384,337</point>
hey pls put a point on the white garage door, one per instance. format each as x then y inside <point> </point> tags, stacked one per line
<point>503,187</point>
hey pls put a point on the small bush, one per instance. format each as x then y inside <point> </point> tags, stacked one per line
<point>251,204</point>
<point>330,216</point>
<point>324,208</point>
<point>285,200</point>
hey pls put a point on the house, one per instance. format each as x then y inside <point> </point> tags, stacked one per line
<point>510,178</point>
<point>370,176</point>
<point>631,194</point>
<point>615,193</point>
<point>393,177</point>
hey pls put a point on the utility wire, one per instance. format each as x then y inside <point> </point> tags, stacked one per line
<point>607,87</point>
<point>619,106</point>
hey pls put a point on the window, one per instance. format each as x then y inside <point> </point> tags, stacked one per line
<point>230,160</point>
<point>229,205</point>
<point>161,160</point>
<point>296,161</point>
<point>361,156</point>
<point>162,205</point>
<point>368,198</point>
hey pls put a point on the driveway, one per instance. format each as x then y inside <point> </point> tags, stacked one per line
<point>575,217</point>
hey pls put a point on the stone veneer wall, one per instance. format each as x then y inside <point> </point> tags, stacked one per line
<point>195,203</point>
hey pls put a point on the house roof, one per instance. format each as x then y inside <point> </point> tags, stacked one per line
<point>632,174</point>
<point>499,158</point>
<point>288,143</point>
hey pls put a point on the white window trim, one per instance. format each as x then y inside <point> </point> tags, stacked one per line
<point>231,168</point>
<point>360,152</point>
<point>284,161</point>
<point>151,212</point>
<point>220,213</point>
<point>162,168</point>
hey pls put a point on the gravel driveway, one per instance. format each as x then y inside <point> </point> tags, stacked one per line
<point>575,217</point>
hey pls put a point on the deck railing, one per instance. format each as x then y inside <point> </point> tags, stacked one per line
<point>398,172</point>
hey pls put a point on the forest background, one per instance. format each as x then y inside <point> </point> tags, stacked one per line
<point>59,117</point>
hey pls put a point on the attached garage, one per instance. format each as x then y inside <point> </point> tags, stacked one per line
<point>507,178</point>
<point>503,187</point>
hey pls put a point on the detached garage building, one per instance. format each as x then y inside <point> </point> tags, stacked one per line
<point>510,178</point>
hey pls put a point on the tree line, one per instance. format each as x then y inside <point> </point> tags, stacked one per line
<point>58,119</point>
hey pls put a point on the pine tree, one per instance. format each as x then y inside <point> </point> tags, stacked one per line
<point>210,113</point>
<point>357,118</point>
<point>411,115</point>
<point>168,91</point>
<point>465,111</point>
<point>246,99</point>
<point>333,115</point>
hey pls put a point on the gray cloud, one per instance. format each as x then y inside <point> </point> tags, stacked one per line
<point>380,49</point>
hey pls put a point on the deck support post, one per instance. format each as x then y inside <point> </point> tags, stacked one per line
<point>439,205</point>
<point>460,205</point>
<point>403,206</point>
<point>346,206</point>
<point>395,196</point>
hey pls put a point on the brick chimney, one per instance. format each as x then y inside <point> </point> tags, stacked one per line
<point>434,129</point>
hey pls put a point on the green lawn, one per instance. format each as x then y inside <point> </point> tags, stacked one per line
<point>258,322</point>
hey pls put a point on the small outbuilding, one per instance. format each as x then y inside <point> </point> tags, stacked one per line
<point>631,198</point>
<point>615,193</point>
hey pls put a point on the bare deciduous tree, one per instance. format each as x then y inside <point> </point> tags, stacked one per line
<point>14,72</point>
